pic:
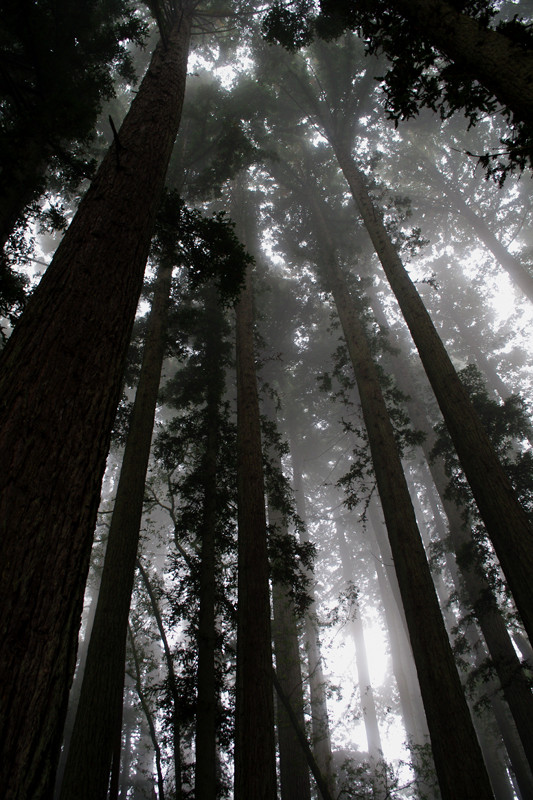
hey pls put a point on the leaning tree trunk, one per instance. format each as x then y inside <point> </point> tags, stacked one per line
<point>485,55</point>
<point>504,518</point>
<point>255,764</point>
<point>518,273</point>
<point>62,371</point>
<point>514,682</point>
<point>99,712</point>
<point>458,760</point>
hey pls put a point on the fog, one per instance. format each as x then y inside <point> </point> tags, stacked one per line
<point>268,466</point>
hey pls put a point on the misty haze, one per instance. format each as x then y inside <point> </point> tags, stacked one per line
<point>266,395</point>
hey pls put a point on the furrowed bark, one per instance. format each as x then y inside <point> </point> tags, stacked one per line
<point>61,376</point>
<point>99,712</point>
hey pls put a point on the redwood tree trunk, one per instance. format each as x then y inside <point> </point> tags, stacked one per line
<point>321,739</point>
<point>294,772</point>
<point>255,764</point>
<point>513,680</point>
<point>100,705</point>
<point>205,783</point>
<point>61,375</point>
<point>504,518</point>
<point>293,768</point>
<point>458,760</point>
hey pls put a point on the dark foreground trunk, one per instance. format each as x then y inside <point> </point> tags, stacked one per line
<point>60,385</point>
<point>99,713</point>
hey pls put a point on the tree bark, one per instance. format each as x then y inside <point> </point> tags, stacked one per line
<point>255,765</point>
<point>458,760</point>
<point>62,370</point>
<point>99,709</point>
<point>514,682</point>
<point>504,518</point>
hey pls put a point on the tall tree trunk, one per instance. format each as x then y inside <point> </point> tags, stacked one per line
<point>61,376</point>
<point>255,765</point>
<point>205,786</point>
<point>172,682</point>
<point>368,704</point>
<point>517,272</point>
<point>74,695</point>
<point>412,709</point>
<point>313,766</point>
<point>492,688</point>
<point>294,771</point>
<point>127,714</point>
<point>100,706</point>
<point>518,762</point>
<point>513,680</point>
<point>293,768</point>
<point>148,714</point>
<point>458,760</point>
<point>321,738</point>
<point>504,518</point>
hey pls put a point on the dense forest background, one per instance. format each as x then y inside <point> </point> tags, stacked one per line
<point>266,294</point>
